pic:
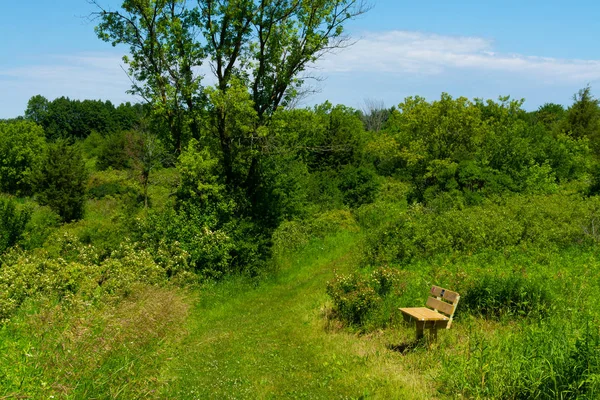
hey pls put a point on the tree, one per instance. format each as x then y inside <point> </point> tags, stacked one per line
<point>22,144</point>
<point>61,181</point>
<point>37,109</point>
<point>112,152</point>
<point>146,153</point>
<point>75,119</point>
<point>583,117</point>
<point>264,45</point>
<point>163,57</point>
<point>549,115</point>
<point>374,115</point>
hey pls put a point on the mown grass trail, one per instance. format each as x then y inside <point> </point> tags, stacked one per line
<point>271,341</point>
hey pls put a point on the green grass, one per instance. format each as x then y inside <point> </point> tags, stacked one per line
<point>273,341</point>
<point>74,351</point>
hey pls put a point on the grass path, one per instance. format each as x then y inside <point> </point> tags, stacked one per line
<point>271,341</point>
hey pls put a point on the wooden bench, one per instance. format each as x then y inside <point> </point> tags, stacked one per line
<point>440,309</point>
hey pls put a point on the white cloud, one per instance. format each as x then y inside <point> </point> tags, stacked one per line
<point>82,76</point>
<point>71,72</point>
<point>416,62</point>
<point>400,52</point>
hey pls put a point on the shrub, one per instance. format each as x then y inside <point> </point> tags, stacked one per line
<point>496,296</point>
<point>354,298</point>
<point>112,153</point>
<point>12,223</point>
<point>291,235</point>
<point>112,183</point>
<point>389,205</point>
<point>323,191</point>
<point>70,268</point>
<point>215,250</point>
<point>358,299</point>
<point>61,181</point>
<point>281,192</point>
<point>358,185</point>
<point>40,226</point>
<point>92,145</point>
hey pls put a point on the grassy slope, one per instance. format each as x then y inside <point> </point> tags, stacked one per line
<point>272,341</point>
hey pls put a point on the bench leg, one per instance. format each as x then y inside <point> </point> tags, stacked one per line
<point>420,326</point>
<point>433,333</point>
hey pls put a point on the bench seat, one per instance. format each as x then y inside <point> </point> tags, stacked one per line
<point>424,314</point>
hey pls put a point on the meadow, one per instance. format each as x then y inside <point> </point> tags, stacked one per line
<point>526,326</point>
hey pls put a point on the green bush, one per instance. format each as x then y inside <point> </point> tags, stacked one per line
<point>215,250</point>
<point>41,225</point>
<point>497,296</point>
<point>354,298</point>
<point>112,153</point>
<point>358,299</point>
<point>112,183</point>
<point>389,205</point>
<point>358,185</point>
<point>12,223</point>
<point>464,151</point>
<point>291,235</point>
<point>323,191</point>
<point>92,145</point>
<point>61,181</point>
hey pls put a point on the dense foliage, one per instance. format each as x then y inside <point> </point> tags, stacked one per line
<point>441,177</point>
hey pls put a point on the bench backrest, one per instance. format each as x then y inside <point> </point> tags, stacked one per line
<point>443,301</point>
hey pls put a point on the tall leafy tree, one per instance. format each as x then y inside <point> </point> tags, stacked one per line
<point>146,153</point>
<point>549,115</point>
<point>74,119</point>
<point>163,56</point>
<point>37,109</point>
<point>22,144</point>
<point>263,45</point>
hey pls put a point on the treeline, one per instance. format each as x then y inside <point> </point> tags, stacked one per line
<point>75,119</point>
<point>451,152</point>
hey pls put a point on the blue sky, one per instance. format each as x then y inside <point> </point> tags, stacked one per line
<point>543,51</point>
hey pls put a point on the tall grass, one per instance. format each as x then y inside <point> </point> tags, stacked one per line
<point>548,360</point>
<point>53,350</point>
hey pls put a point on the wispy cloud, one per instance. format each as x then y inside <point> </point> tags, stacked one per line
<point>417,62</point>
<point>102,68</point>
<point>400,52</point>
<point>81,76</point>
